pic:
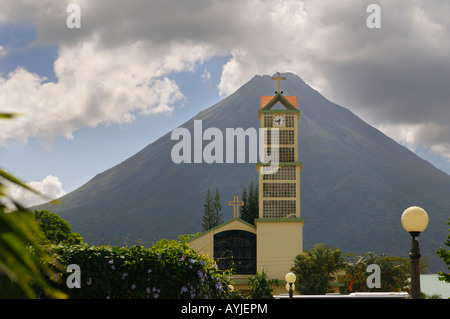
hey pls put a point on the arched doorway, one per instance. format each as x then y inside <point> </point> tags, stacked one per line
<point>236,249</point>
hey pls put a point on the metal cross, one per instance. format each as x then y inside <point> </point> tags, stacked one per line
<point>236,203</point>
<point>278,78</point>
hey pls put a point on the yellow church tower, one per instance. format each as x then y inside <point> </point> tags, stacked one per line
<point>279,226</point>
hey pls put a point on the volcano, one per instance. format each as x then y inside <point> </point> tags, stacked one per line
<point>355,182</point>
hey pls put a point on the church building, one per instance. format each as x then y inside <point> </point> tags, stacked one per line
<point>272,244</point>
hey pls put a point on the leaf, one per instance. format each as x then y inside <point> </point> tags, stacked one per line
<point>16,181</point>
<point>10,115</point>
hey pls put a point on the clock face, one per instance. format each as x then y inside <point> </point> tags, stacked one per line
<point>278,120</point>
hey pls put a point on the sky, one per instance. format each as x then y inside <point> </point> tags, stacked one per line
<point>98,81</point>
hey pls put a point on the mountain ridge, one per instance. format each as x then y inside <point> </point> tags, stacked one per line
<point>355,181</point>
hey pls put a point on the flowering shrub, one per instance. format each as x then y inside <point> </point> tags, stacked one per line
<point>170,269</point>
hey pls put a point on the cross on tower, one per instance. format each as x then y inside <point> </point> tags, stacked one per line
<point>278,78</point>
<point>236,203</point>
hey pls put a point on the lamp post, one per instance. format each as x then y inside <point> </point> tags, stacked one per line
<point>414,221</point>
<point>290,279</point>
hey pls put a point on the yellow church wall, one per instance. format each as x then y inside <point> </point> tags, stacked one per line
<point>204,243</point>
<point>279,241</point>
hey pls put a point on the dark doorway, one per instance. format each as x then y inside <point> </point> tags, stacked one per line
<point>236,249</point>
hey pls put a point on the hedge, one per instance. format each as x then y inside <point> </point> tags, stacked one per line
<point>168,270</point>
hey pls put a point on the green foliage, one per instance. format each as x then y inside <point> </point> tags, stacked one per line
<point>212,216</point>
<point>394,273</point>
<point>56,229</point>
<point>432,296</point>
<point>9,115</point>
<point>250,210</point>
<point>260,286</point>
<point>24,264</point>
<point>445,255</point>
<point>315,269</point>
<point>170,269</point>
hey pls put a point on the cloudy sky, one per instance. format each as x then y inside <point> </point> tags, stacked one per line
<point>134,70</point>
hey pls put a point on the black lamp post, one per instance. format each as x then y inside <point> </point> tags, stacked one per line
<point>414,221</point>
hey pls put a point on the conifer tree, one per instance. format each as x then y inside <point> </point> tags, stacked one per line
<point>253,200</point>
<point>243,210</point>
<point>212,216</point>
<point>208,211</point>
<point>218,216</point>
<point>250,210</point>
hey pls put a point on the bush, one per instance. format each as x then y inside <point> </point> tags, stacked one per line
<point>168,270</point>
<point>316,269</point>
<point>260,286</point>
<point>395,273</point>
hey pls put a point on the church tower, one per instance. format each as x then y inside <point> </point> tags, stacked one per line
<point>280,228</point>
<point>276,238</point>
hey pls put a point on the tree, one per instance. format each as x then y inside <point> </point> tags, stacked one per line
<point>218,216</point>
<point>243,210</point>
<point>250,209</point>
<point>207,212</point>
<point>56,229</point>
<point>394,273</point>
<point>445,255</point>
<point>315,270</point>
<point>211,214</point>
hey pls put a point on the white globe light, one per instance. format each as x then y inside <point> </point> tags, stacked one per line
<point>290,278</point>
<point>414,219</point>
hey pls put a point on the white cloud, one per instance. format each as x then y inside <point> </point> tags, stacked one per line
<point>206,76</point>
<point>395,77</point>
<point>50,187</point>
<point>3,52</point>
<point>435,137</point>
<point>99,81</point>
<point>94,87</point>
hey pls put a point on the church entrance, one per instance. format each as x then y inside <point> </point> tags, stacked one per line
<point>236,249</point>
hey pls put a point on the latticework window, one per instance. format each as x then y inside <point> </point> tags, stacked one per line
<point>279,190</point>
<point>268,120</point>
<point>285,154</point>
<point>283,137</point>
<point>289,120</point>
<point>279,208</point>
<point>283,173</point>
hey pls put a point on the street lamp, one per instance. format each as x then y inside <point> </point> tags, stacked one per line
<point>290,279</point>
<point>414,221</point>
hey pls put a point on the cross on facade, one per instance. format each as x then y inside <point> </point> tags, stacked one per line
<point>278,78</point>
<point>236,203</point>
